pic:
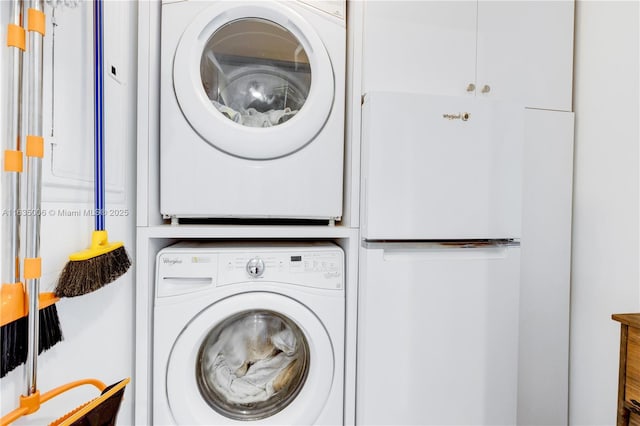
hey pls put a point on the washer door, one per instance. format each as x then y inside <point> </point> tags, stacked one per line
<point>258,356</point>
<point>253,79</point>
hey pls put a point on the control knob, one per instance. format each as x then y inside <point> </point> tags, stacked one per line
<point>255,267</point>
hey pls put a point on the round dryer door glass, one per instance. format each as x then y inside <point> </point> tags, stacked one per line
<point>254,79</point>
<point>255,72</point>
<point>252,365</point>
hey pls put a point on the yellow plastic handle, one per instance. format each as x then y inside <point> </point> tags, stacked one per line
<point>99,245</point>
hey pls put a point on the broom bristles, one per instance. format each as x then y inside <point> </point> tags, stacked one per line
<point>80,277</point>
<point>50,330</point>
<point>14,338</point>
<point>14,345</point>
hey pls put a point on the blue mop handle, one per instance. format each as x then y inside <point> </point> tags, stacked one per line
<point>98,50</point>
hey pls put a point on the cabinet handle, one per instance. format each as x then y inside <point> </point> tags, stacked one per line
<point>486,88</point>
<point>471,87</point>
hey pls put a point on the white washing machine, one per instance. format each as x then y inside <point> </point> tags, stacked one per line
<point>252,109</point>
<point>249,334</point>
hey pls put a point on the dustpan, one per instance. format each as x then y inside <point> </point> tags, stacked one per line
<point>100,411</point>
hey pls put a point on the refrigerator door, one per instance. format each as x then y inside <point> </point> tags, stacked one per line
<point>439,167</point>
<point>437,334</point>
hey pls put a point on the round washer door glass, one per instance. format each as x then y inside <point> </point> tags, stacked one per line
<point>255,72</point>
<point>252,365</point>
<point>256,357</point>
<point>253,79</point>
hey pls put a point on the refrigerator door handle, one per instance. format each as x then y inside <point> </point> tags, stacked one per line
<point>408,250</point>
<point>439,244</point>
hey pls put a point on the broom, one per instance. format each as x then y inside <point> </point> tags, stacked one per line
<point>14,328</point>
<point>103,262</point>
<point>13,306</point>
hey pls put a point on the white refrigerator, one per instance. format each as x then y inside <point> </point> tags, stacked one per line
<point>439,260</point>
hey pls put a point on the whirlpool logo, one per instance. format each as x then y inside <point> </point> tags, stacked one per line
<point>464,116</point>
<point>171,261</point>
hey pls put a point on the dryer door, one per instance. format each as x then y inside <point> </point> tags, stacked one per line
<point>253,79</point>
<point>258,356</point>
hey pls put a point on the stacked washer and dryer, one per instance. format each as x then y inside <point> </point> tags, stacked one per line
<point>251,128</point>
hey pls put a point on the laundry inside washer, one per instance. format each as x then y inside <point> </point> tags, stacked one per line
<point>252,365</point>
<point>255,72</point>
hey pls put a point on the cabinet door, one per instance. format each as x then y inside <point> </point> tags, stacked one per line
<point>525,52</point>
<point>419,46</point>
<point>545,270</point>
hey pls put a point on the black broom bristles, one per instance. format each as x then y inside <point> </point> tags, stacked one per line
<point>14,345</point>
<point>14,337</point>
<point>80,277</point>
<point>50,330</point>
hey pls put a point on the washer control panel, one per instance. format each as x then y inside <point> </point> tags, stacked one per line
<point>318,269</point>
<point>190,270</point>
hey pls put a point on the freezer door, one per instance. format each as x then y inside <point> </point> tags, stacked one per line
<point>438,167</point>
<point>437,335</point>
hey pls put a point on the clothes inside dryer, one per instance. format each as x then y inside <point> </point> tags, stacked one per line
<point>252,365</point>
<point>255,72</point>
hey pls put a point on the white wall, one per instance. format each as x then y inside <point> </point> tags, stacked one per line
<point>98,327</point>
<point>605,278</point>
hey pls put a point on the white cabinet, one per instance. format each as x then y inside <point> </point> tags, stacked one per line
<point>418,46</point>
<point>520,51</point>
<point>543,364</point>
<point>525,52</point>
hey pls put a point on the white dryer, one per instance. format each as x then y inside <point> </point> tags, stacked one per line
<point>247,334</point>
<point>252,109</point>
